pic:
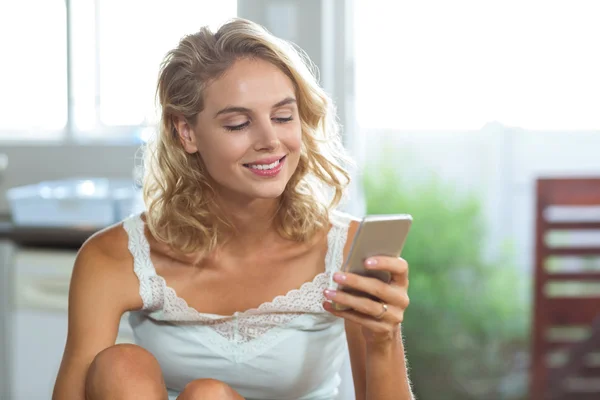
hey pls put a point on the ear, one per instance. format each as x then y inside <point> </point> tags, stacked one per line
<point>186,134</point>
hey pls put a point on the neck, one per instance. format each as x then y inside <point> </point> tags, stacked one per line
<point>252,221</point>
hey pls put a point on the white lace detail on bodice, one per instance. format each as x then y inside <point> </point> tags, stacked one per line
<point>162,302</point>
<point>150,286</point>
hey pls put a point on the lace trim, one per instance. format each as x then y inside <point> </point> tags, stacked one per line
<point>150,290</point>
<point>241,327</point>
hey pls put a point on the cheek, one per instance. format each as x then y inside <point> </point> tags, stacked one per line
<point>293,140</point>
<point>220,156</point>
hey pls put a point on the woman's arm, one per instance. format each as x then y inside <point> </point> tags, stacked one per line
<point>378,368</point>
<point>358,359</point>
<point>374,339</point>
<point>102,288</point>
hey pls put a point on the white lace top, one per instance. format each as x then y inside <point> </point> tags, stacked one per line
<point>288,348</point>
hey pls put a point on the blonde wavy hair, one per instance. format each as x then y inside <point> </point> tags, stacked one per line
<point>178,192</point>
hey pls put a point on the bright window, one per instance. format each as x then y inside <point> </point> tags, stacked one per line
<point>134,36</point>
<point>33,76</point>
<point>453,65</point>
<point>116,50</point>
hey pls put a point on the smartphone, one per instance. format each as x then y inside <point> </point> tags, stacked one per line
<point>377,235</point>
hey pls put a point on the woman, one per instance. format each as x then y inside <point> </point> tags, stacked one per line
<point>229,273</point>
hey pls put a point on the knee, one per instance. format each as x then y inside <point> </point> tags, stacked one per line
<point>115,368</point>
<point>209,389</point>
<point>119,359</point>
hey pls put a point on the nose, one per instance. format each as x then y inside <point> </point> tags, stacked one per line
<point>266,136</point>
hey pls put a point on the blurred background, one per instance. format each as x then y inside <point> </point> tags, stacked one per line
<point>481,118</point>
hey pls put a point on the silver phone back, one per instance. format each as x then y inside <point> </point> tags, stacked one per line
<point>378,235</point>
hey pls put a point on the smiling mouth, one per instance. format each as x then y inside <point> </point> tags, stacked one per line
<point>265,167</point>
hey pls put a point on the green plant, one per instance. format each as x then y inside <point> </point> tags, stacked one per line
<point>466,320</point>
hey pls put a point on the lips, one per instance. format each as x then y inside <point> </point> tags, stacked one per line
<point>267,170</point>
<point>265,161</point>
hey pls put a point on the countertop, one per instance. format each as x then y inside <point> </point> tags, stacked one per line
<point>54,237</point>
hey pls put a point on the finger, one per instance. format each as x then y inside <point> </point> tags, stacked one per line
<point>373,325</point>
<point>373,286</point>
<point>367,307</point>
<point>351,315</point>
<point>397,266</point>
<point>361,304</point>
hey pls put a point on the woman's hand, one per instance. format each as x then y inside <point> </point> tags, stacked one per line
<point>381,320</point>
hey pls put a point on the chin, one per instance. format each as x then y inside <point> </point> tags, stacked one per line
<point>268,192</point>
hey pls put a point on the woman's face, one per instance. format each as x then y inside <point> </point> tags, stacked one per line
<point>249,134</point>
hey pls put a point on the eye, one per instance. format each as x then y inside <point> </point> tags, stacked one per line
<point>237,127</point>
<point>283,120</point>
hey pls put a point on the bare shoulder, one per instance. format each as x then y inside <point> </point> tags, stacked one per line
<point>103,287</point>
<point>105,261</point>
<point>109,243</point>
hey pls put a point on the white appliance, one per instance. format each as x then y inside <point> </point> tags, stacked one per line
<point>38,320</point>
<point>6,256</point>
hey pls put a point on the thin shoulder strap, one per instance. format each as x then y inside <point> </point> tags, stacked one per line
<point>338,234</point>
<point>150,288</point>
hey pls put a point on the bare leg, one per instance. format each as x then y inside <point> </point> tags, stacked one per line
<point>208,389</point>
<point>125,371</point>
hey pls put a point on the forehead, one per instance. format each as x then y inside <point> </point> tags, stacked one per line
<point>251,83</point>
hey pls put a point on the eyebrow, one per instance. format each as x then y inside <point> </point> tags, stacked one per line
<point>233,109</point>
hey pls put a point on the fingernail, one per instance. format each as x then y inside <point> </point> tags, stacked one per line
<point>371,262</point>
<point>339,277</point>
<point>330,293</point>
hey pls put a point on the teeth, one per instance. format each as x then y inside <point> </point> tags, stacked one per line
<point>265,166</point>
